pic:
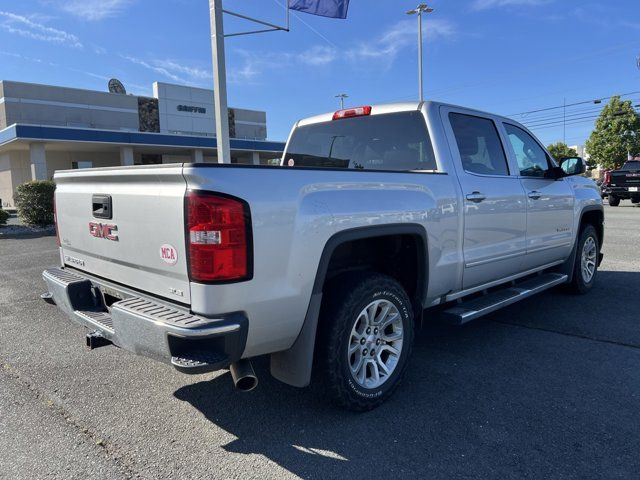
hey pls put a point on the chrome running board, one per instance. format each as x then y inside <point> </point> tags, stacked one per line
<point>465,311</point>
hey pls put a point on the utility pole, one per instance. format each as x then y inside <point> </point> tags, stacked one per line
<point>629,134</point>
<point>419,10</point>
<point>342,96</point>
<point>564,120</point>
<point>219,82</point>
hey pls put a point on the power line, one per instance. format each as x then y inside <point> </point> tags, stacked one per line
<point>561,116</point>
<point>568,122</point>
<point>574,104</point>
<point>561,119</point>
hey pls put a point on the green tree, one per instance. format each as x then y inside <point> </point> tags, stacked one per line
<point>561,150</point>
<point>616,133</point>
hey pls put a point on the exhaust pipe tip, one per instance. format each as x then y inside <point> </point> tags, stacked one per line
<point>243,375</point>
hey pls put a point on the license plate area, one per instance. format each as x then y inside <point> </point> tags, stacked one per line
<point>111,296</point>
<point>633,189</point>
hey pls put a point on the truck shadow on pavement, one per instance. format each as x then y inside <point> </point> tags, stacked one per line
<point>541,389</point>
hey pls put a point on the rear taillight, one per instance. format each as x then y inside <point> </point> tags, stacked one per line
<point>218,238</point>
<point>352,112</point>
<point>55,220</point>
<point>607,178</point>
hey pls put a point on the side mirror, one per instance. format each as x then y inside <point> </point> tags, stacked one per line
<point>573,166</point>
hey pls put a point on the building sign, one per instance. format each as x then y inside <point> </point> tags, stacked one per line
<point>189,108</point>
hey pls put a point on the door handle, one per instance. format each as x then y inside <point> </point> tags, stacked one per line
<point>476,197</point>
<point>535,195</point>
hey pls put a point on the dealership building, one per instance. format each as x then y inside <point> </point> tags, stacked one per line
<point>45,128</point>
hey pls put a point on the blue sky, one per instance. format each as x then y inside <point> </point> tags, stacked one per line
<point>505,56</point>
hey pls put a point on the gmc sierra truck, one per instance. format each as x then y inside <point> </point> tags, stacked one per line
<point>326,263</point>
<point>623,184</point>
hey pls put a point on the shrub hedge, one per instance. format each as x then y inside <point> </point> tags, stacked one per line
<point>4,216</point>
<point>34,201</point>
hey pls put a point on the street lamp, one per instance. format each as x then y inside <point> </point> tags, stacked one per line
<point>342,96</point>
<point>419,10</point>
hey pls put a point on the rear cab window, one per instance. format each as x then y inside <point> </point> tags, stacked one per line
<point>391,141</point>
<point>479,145</point>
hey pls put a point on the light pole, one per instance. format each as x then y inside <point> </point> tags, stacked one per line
<point>221,111</point>
<point>629,134</point>
<point>219,82</point>
<point>419,10</point>
<point>342,96</point>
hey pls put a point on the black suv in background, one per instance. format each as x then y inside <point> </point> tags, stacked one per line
<point>622,184</point>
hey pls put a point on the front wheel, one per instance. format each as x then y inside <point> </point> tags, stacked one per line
<point>366,339</point>
<point>586,262</point>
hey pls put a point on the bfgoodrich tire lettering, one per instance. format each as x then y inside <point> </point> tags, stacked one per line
<point>346,299</point>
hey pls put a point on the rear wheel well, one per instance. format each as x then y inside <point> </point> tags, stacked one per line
<point>400,256</point>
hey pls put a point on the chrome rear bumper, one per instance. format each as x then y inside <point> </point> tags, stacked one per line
<point>145,326</point>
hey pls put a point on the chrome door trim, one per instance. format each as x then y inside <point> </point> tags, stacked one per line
<point>550,247</point>
<point>494,259</point>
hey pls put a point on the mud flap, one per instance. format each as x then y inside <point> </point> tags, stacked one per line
<point>294,366</point>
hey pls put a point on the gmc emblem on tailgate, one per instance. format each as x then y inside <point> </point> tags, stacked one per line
<point>103,230</point>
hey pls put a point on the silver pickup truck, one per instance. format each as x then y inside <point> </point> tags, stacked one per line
<point>329,261</point>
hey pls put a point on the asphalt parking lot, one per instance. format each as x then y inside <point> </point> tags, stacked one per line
<point>548,388</point>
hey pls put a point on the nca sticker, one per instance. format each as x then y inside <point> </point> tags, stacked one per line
<point>168,254</point>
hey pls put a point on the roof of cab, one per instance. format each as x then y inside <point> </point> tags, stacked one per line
<point>394,108</point>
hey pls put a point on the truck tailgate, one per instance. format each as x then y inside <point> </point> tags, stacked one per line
<point>126,224</point>
<point>625,178</point>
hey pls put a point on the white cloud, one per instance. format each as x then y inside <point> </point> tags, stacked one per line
<point>384,48</point>
<point>26,27</point>
<point>486,4</point>
<point>192,72</point>
<point>397,38</point>
<point>23,57</point>
<point>173,70</point>
<point>93,9</point>
<point>245,74</point>
<point>254,63</point>
<point>317,56</point>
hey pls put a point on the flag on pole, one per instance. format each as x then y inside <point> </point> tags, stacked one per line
<point>324,8</point>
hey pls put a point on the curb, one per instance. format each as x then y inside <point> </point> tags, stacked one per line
<point>20,231</point>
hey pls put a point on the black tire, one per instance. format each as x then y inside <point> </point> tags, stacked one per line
<point>579,284</point>
<point>614,201</point>
<point>345,299</point>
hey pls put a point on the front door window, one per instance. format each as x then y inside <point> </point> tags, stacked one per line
<point>532,159</point>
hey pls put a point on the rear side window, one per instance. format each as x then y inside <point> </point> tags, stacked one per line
<point>479,145</point>
<point>393,141</point>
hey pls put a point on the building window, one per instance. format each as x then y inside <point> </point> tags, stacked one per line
<point>150,159</point>
<point>82,164</point>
